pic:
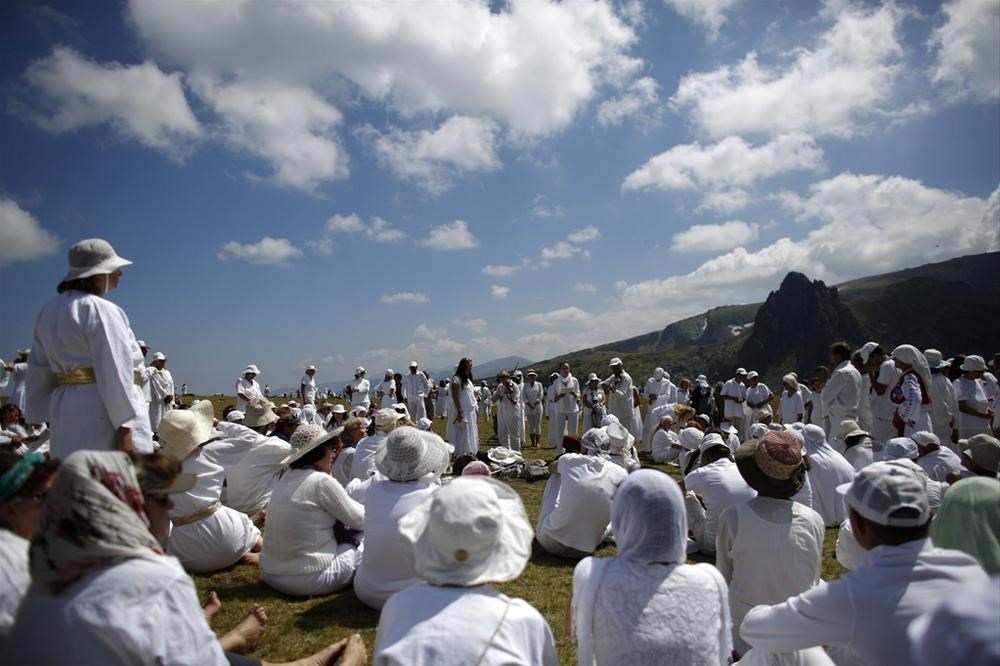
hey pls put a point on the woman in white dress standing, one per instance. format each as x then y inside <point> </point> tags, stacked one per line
<point>507,398</point>
<point>463,429</point>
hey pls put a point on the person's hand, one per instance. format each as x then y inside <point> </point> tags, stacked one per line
<point>123,440</point>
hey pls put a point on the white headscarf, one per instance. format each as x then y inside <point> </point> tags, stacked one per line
<point>915,358</point>
<point>649,519</point>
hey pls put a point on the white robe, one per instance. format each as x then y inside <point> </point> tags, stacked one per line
<point>161,387</point>
<point>464,436</point>
<point>620,399</point>
<point>77,330</point>
<point>18,392</point>
<point>509,416</point>
<point>249,388</point>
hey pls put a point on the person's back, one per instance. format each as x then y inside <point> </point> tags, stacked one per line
<point>583,509</point>
<point>363,463</point>
<point>249,481</point>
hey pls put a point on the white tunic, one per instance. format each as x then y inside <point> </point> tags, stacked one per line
<point>77,330</point>
<point>827,470</point>
<point>18,392</point>
<point>944,407</point>
<point>308,387</point>
<point>732,409</point>
<point>415,386</point>
<point>581,512</point>
<point>385,393</point>
<point>250,479</point>
<point>508,415</point>
<point>430,625</point>
<point>620,398</point>
<point>250,388</point>
<point>842,394</point>
<point>464,436</point>
<point>791,407</point>
<point>161,387</point>
<point>14,579</point>
<point>359,392</point>
<point>973,393</point>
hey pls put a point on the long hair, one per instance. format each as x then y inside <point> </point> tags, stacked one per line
<point>464,371</point>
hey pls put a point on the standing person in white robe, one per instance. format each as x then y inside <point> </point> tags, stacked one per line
<point>247,388</point>
<point>911,395</point>
<point>734,395</point>
<point>463,427</point>
<point>842,391</point>
<point>161,390</point>
<point>416,388</point>
<point>307,387</point>
<point>884,376</point>
<point>865,417</point>
<point>567,396</point>
<point>518,378</point>
<point>359,389</point>
<point>81,374</point>
<point>827,470</point>
<point>636,428</point>
<point>206,536</point>
<point>791,407</point>
<point>944,404</point>
<point>143,371</point>
<point>507,396</point>
<point>550,411</point>
<point>619,389</point>
<point>385,391</point>
<point>533,397</point>
<point>594,407</point>
<point>974,411</point>
<point>758,399</point>
<point>659,391</point>
<point>18,376</point>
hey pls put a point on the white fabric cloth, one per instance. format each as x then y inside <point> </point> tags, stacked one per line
<point>429,625</point>
<point>385,568</point>
<point>508,397</point>
<point>732,409</point>
<point>721,485</point>
<point>249,480</point>
<point>249,388</point>
<point>865,417</point>
<point>567,394</point>
<point>863,616</point>
<point>973,393</point>
<point>385,393</point>
<point>342,465</point>
<point>18,389</point>
<point>619,392</point>
<point>590,419</point>
<point>363,463</point>
<point>76,330</point>
<point>359,392</point>
<point>861,454</point>
<point>944,408</point>
<point>161,388</point>
<point>142,611</point>
<point>768,550</point>
<point>464,435</point>
<point>882,406</point>
<point>791,407</point>
<point>663,446</point>
<point>939,463</point>
<point>305,505</point>
<point>417,388</point>
<point>827,470</point>
<point>842,394</point>
<point>14,579</point>
<point>663,389</point>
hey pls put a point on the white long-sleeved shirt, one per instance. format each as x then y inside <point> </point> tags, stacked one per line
<point>249,481</point>
<point>863,616</point>
<point>733,389</point>
<point>620,397</point>
<point>842,394</point>
<point>415,386</point>
<point>249,388</point>
<point>944,406</point>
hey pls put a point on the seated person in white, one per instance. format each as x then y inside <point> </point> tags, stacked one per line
<point>622,447</point>
<point>363,464</point>
<point>769,548</point>
<point>856,444</point>
<point>576,505</point>
<point>103,593</point>
<point>206,535</point>
<point>409,465</point>
<point>645,605</point>
<point>938,461</point>
<point>827,470</point>
<point>350,434</point>
<point>712,488</point>
<point>249,481</point>
<point>666,444</point>
<point>863,616</point>
<point>313,545</point>
<point>471,532</point>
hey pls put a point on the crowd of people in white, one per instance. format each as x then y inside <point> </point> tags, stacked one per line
<point>112,489</point>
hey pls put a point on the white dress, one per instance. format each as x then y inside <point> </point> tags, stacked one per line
<point>533,397</point>
<point>508,416</point>
<point>620,399</point>
<point>464,436</point>
<point>161,387</point>
<point>68,331</point>
<point>249,388</point>
<point>359,393</point>
<point>18,392</point>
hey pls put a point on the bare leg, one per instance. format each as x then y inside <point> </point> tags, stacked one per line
<point>243,636</point>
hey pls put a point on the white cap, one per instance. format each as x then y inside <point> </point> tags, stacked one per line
<point>711,440</point>
<point>752,374</point>
<point>358,370</point>
<point>235,416</point>
<point>142,343</point>
<point>901,447</point>
<point>159,356</point>
<point>924,438</point>
<point>389,371</point>
<point>310,367</point>
<point>740,371</point>
<point>413,364</point>
<point>973,363</point>
<point>251,368</point>
<point>884,488</point>
<point>615,361</point>
<point>866,350</point>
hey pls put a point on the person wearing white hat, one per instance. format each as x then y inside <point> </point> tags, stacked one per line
<point>409,466</point>
<point>312,546</point>
<point>855,444</point>
<point>416,389</point>
<point>944,403</point>
<point>307,386</point>
<point>911,394</point>
<point>81,372</point>
<point>161,390</point>
<point>385,391</point>
<point>711,488</point>
<point>842,392</point>
<point>247,388</point>
<point>790,406</point>
<point>827,470</point>
<point>594,399</point>
<point>472,532</point>
<point>659,391</point>
<point>974,410</point>
<point>618,387</point>
<point>884,376</point>
<point>463,422</point>
<point>758,400</point>
<point>359,389</point>
<point>249,480</point>
<point>386,421</point>
<point>338,415</point>
<point>939,462</point>
<point>207,536</point>
<point>533,398</point>
<point>863,616</point>
<point>666,443</point>
<point>621,449</point>
<point>734,397</point>
<point>507,397</point>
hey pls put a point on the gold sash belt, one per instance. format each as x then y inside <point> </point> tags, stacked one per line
<point>74,377</point>
<point>194,518</point>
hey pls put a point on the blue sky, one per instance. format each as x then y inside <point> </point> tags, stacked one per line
<point>369,183</point>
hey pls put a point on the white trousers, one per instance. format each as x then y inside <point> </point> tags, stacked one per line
<point>335,577</point>
<point>566,423</point>
<point>417,409</point>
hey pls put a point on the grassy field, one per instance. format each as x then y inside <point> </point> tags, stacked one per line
<point>300,626</point>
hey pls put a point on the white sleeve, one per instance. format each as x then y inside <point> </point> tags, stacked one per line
<point>112,343</point>
<point>822,615</point>
<point>334,499</point>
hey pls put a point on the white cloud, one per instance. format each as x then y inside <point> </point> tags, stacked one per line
<point>500,270</point>
<point>714,237</point>
<point>640,100</point>
<point>529,64</point>
<point>584,235</point>
<point>287,125</point>
<point>585,288</point>
<point>335,359</point>
<point>22,237</point>
<point>418,298</point>
<point>476,325</point>
<point>709,14</point>
<point>140,102</point>
<point>434,159</point>
<point>425,332</point>
<point>563,250</point>
<point>378,230</point>
<point>561,317</point>
<point>499,293</point>
<point>967,48</point>
<point>440,351</point>
<point>266,252</point>
<point>847,77</point>
<point>540,209</point>
<point>453,236</point>
<point>725,201</point>
<point>322,247</point>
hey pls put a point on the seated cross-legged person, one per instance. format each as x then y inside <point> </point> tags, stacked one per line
<point>712,488</point>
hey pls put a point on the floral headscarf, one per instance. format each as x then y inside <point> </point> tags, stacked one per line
<point>94,517</point>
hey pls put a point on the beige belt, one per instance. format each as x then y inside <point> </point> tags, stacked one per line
<point>194,518</point>
<point>74,377</point>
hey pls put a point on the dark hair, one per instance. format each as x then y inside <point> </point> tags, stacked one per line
<point>841,349</point>
<point>7,408</point>
<point>155,471</point>
<point>572,444</point>
<point>40,473</point>
<point>463,371</point>
<point>313,456</point>
<point>894,536</point>
<point>461,461</point>
<point>226,410</point>
<point>87,285</point>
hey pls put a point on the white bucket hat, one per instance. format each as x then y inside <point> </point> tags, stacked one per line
<point>387,417</point>
<point>973,363</point>
<point>339,409</point>
<point>615,361</point>
<point>593,378</point>
<point>184,430</point>
<point>409,454</point>
<point>159,356</point>
<point>935,359</point>
<point>306,438</point>
<point>883,488</point>
<point>849,428</point>
<point>712,440</point>
<point>259,412</point>
<point>93,256</point>
<point>472,531</point>
<point>251,368</point>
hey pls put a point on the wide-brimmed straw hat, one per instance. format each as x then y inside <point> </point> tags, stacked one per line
<point>774,465</point>
<point>259,412</point>
<point>184,430</point>
<point>849,428</point>
<point>306,438</point>
<point>93,256</point>
<point>409,454</point>
<point>472,531</point>
<point>339,409</point>
<point>502,455</point>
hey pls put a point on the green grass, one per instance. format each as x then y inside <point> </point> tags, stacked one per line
<point>301,626</point>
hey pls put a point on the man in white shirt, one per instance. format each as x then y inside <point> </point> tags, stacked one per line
<point>567,394</point>
<point>758,399</point>
<point>863,616</point>
<point>944,403</point>
<point>711,488</point>
<point>307,386</point>
<point>385,391</point>
<point>161,390</point>
<point>359,389</point>
<point>734,396</point>
<point>618,388</point>
<point>842,391</point>
<point>974,407</point>
<point>416,389</point>
<point>884,377</point>
<point>576,505</point>
<point>247,388</point>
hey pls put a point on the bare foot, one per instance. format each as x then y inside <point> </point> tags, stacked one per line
<point>258,518</point>
<point>212,606</point>
<point>253,559</point>
<point>243,636</point>
<point>351,652</point>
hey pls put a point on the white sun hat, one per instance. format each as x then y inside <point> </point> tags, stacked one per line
<point>502,455</point>
<point>409,454</point>
<point>424,423</point>
<point>973,363</point>
<point>259,412</point>
<point>472,531</point>
<point>339,409</point>
<point>615,361</point>
<point>711,440</point>
<point>901,447</point>
<point>310,367</point>
<point>883,489</point>
<point>413,364</point>
<point>593,378</point>
<point>359,370</point>
<point>159,356</point>
<point>690,438</point>
<point>251,368</point>
<point>619,437</point>
<point>235,416</point>
<point>596,440</point>
<point>184,430</point>
<point>306,438</point>
<point>387,417</point>
<point>93,256</point>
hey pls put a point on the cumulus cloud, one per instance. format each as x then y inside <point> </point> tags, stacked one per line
<point>563,250</point>
<point>377,230</point>
<point>425,332</point>
<point>68,92</point>
<point>560,317</point>
<point>584,235</point>
<point>453,236</point>
<point>641,101</point>
<point>417,297</point>
<point>476,325</point>
<point>499,293</point>
<point>500,270</point>
<point>540,209</point>
<point>265,252</point>
<point>441,351</point>
<point>708,14</point>
<point>585,288</point>
<point>434,159</point>
<point>714,237</point>
<point>967,49</point>
<point>322,246</point>
<point>830,89</point>
<point>22,237</point>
